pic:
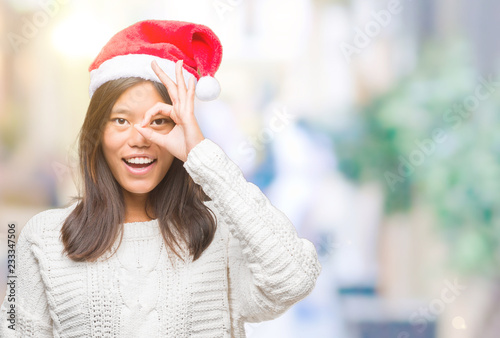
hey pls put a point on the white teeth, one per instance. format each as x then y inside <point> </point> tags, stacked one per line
<point>139,160</point>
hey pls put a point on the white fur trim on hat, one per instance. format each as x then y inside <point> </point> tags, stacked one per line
<point>132,65</point>
<point>207,88</point>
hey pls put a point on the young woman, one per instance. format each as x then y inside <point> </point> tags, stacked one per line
<point>168,239</point>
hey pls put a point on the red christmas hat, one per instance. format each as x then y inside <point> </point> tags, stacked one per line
<point>129,54</point>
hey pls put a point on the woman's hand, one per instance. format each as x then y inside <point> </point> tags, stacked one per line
<point>186,133</point>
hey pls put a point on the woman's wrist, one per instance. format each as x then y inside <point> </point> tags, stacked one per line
<point>194,141</point>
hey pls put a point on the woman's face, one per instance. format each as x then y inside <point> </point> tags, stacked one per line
<point>136,163</point>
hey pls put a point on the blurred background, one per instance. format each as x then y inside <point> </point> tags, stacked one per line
<point>371,124</point>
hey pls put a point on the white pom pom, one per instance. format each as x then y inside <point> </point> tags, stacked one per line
<point>207,88</point>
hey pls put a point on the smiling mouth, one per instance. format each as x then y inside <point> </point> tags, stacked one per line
<point>138,165</point>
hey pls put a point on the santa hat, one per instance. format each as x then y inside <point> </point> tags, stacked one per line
<point>129,54</point>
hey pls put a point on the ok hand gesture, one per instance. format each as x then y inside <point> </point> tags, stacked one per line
<point>186,133</point>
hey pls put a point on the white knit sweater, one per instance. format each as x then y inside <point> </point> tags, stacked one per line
<point>254,270</point>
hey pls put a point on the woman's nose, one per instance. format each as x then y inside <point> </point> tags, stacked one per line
<point>136,139</point>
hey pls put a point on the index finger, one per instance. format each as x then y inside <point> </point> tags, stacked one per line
<point>151,135</point>
<point>159,108</point>
<point>166,80</point>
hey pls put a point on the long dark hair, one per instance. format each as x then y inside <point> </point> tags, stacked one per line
<point>93,226</point>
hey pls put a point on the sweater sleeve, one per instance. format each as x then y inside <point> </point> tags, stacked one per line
<point>270,267</point>
<point>32,317</point>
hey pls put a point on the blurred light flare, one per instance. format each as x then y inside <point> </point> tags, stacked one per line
<point>74,37</point>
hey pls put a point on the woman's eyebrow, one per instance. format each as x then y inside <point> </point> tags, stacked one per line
<point>122,111</point>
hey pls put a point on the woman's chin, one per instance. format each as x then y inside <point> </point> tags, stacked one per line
<point>142,190</point>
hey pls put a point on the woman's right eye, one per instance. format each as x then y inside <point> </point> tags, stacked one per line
<point>119,121</point>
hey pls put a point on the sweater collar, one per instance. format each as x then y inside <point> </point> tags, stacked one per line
<point>141,230</point>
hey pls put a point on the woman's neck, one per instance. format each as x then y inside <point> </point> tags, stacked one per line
<point>135,207</point>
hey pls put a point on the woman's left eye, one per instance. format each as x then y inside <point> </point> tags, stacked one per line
<point>160,122</point>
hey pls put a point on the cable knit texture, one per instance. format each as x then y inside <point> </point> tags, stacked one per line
<point>254,270</point>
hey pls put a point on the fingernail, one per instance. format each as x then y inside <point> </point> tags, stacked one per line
<point>137,126</point>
